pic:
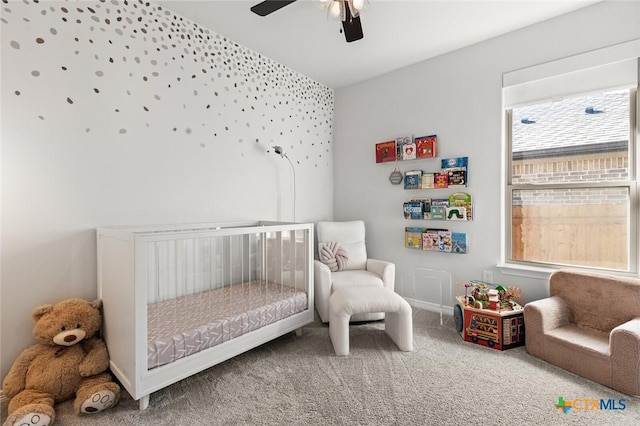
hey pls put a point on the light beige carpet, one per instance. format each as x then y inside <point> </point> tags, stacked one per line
<point>299,381</point>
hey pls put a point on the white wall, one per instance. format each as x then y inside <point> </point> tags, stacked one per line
<point>117,114</point>
<point>458,97</point>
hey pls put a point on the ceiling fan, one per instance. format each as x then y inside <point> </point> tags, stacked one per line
<point>344,9</point>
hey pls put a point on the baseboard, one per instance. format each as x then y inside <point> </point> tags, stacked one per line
<point>428,306</point>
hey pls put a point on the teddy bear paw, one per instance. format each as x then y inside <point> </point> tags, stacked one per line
<point>33,419</point>
<point>97,402</point>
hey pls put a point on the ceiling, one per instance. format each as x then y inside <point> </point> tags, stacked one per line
<point>396,33</point>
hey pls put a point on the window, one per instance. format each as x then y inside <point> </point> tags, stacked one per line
<point>570,193</point>
<point>570,186</point>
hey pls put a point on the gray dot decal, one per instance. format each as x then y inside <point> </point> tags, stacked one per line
<point>142,54</point>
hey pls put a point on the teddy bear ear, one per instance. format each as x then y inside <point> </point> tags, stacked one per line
<point>97,304</point>
<point>39,311</point>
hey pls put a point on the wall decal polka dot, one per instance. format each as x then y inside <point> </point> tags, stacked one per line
<point>143,53</point>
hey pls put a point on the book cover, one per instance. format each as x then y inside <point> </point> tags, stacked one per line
<point>456,213</point>
<point>458,242</point>
<point>426,146</point>
<point>401,141</point>
<point>413,179</point>
<point>385,151</point>
<point>439,208</point>
<point>445,241</point>
<point>413,237</point>
<point>457,178</point>
<point>413,209</point>
<point>440,180</point>
<point>456,170</point>
<point>462,199</point>
<point>427,180</point>
<point>454,163</point>
<point>426,208</point>
<point>431,239</point>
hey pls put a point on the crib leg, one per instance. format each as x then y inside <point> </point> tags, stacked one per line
<point>299,331</point>
<point>144,403</point>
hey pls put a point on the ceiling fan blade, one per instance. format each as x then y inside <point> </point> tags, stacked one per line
<point>352,27</point>
<point>269,6</point>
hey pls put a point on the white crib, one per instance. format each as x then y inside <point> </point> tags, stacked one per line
<point>178,299</point>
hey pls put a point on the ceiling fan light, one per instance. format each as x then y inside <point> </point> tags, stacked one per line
<point>357,4</point>
<point>335,9</point>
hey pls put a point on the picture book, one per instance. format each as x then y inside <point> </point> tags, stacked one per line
<point>426,146</point>
<point>458,242</point>
<point>426,209</point>
<point>455,163</point>
<point>431,239</point>
<point>413,237</point>
<point>438,212</point>
<point>456,178</point>
<point>385,151</point>
<point>413,179</point>
<point>456,171</point>
<point>462,199</point>
<point>456,213</point>
<point>427,180</point>
<point>440,180</point>
<point>413,209</point>
<point>405,148</point>
<point>445,241</point>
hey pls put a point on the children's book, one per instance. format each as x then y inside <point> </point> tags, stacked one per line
<point>426,146</point>
<point>440,180</point>
<point>413,179</point>
<point>462,199</point>
<point>427,180</point>
<point>439,208</point>
<point>456,171</point>
<point>458,242</point>
<point>413,237</point>
<point>445,241</point>
<point>385,151</point>
<point>426,208</point>
<point>431,239</point>
<point>413,209</point>
<point>405,148</point>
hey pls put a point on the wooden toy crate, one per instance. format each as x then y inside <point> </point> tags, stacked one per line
<point>497,329</point>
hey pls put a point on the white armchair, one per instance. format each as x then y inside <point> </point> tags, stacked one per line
<point>359,271</point>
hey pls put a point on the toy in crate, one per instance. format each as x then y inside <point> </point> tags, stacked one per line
<point>488,315</point>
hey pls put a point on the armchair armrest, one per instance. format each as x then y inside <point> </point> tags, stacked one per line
<point>541,316</point>
<point>624,342</point>
<point>386,270</point>
<point>547,314</point>
<point>322,289</point>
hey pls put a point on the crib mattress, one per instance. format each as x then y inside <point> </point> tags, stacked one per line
<point>186,325</point>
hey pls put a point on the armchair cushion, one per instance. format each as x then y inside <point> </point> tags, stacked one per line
<point>355,279</point>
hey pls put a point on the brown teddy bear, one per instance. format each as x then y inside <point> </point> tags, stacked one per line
<point>69,360</point>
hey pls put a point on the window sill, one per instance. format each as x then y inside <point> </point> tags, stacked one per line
<point>525,271</point>
<point>539,273</point>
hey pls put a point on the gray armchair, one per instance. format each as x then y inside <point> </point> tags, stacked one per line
<point>359,271</point>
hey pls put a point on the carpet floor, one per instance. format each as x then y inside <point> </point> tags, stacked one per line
<point>298,380</point>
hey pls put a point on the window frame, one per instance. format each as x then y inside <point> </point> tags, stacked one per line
<point>630,185</point>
